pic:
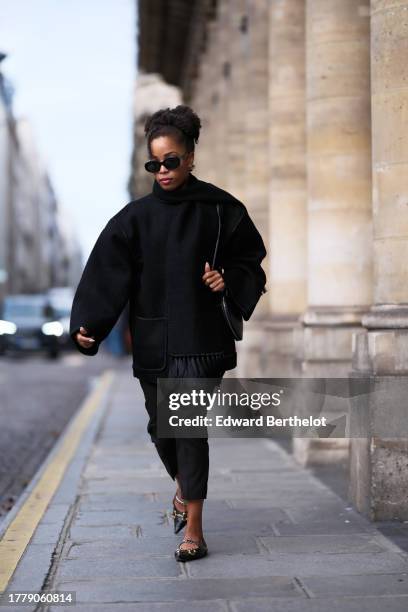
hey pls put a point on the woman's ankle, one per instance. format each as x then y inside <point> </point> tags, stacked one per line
<point>194,530</point>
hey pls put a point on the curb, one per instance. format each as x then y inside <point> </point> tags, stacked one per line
<point>40,506</point>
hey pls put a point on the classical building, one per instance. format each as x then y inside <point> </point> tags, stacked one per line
<point>304,106</point>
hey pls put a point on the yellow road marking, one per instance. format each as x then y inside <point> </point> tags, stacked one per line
<point>22,527</point>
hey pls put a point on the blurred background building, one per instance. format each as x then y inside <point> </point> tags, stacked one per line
<point>304,105</point>
<point>38,250</point>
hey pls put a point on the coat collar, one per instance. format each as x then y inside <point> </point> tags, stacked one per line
<point>193,189</point>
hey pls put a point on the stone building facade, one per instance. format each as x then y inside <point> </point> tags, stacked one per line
<point>304,108</point>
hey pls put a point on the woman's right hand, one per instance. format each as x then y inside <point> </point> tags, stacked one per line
<point>83,339</point>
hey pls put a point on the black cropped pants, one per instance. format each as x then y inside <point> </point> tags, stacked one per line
<point>187,457</point>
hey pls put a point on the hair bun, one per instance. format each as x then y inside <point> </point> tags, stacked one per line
<point>182,117</point>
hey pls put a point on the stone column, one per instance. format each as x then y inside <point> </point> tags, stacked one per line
<point>339,194</point>
<point>287,182</point>
<point>379,476</point>
<point>221,93</point>
<point>236,182</point>
<point>257,125</point>
<point>200,104</point>
<point>206,93</point>
<point>251,61</point>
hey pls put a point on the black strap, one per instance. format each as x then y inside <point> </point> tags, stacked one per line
<point>218,237</point>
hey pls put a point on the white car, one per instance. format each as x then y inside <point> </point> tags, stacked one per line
<point>28,324</point>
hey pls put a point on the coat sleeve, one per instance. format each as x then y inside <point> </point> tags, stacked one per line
<point>243,275</point>
<point>104,287</point>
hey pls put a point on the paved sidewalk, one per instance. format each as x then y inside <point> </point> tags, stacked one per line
<point>278,538</point>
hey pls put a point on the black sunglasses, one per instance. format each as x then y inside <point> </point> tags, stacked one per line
<point>170,163</point>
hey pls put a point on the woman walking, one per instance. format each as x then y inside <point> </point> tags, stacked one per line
<point>156,253</point>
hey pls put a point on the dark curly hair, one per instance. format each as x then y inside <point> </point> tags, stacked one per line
<point>180,122</point>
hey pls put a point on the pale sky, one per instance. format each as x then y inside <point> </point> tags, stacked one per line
<point>73,65</point>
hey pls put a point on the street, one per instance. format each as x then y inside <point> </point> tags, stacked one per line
<point>38,396</point>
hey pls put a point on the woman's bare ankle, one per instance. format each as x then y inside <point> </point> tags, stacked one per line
<point>178,499</point>
<point>196,535</point>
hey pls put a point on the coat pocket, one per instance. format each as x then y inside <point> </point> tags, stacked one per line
<point>149,342</point>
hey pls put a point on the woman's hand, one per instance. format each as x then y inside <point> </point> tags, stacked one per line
<point>213,279</point>
<point>83,339</point>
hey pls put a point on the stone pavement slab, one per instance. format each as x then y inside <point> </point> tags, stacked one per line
<point>181,590</point>
<point>342,604</point>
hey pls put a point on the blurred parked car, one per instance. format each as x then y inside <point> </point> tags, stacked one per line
<point>27,323</point>
<point>60,299</point>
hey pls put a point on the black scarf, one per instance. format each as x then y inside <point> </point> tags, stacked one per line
<point>193,189</point>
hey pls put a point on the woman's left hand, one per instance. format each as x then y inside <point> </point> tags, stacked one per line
<point>213,279</point>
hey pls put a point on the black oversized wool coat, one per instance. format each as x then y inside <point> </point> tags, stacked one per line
<point>152,253</point>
